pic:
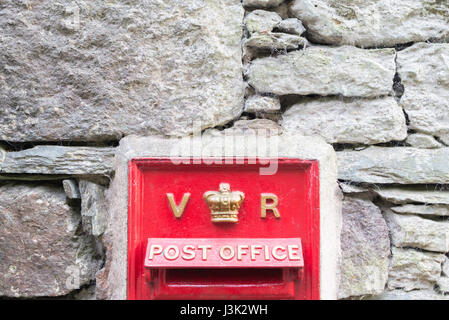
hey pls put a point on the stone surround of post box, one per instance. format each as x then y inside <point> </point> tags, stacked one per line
<point>112,281</point>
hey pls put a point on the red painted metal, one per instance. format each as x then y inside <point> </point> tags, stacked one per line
<point>237,253</point>
<point>296,184</point>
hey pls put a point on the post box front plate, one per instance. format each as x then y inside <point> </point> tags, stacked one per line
<point>295,185</point>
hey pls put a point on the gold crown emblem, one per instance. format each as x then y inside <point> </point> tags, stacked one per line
<point>224,204</point>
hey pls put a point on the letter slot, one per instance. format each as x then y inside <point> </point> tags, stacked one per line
<point>214,268</point>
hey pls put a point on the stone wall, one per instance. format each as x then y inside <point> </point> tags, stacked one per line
<point>370,77</point>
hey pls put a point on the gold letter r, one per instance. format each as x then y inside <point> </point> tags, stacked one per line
<point>269,206</point>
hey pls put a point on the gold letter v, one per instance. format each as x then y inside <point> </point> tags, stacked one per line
<point>178,210</point>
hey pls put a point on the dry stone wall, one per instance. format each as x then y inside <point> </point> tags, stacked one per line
<point>369,77</point>
<point>95,70</point>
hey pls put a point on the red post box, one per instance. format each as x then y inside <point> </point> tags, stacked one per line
<point>223,231</point>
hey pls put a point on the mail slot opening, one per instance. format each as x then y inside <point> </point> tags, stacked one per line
<point>223,283</point>
<point>223,268</point>
<point>214,276</point>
